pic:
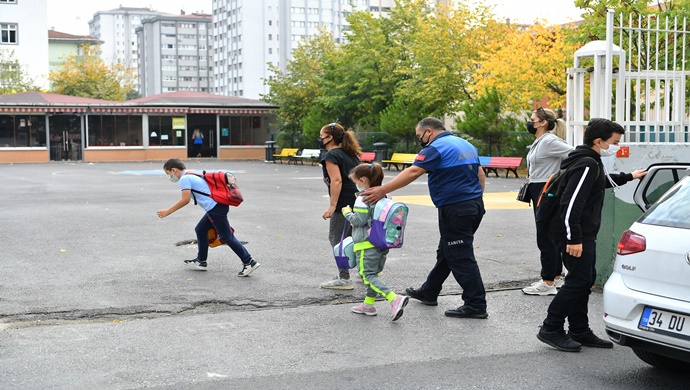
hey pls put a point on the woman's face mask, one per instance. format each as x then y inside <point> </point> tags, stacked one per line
<point>530,128</point>
<point>319,140</point>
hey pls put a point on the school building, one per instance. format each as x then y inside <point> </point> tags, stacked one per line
<point>41,127</point>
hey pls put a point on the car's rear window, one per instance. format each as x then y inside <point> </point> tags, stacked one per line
<point>673,209</point>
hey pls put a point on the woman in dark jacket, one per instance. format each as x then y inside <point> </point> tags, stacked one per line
<point>342,154</point>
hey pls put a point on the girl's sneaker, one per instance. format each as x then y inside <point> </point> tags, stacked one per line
<point>397,306</point>
<point>363,308</point>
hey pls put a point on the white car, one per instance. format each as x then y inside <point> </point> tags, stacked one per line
<point>647,297</point>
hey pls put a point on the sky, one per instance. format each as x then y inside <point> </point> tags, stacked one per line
<point>72,16</point>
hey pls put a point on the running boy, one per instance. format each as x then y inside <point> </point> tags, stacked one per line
<point>371,259</point>
<point>216,217</point>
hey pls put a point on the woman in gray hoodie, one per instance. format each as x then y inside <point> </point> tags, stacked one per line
<point>543,160</point>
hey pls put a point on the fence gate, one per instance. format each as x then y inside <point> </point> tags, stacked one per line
<point>637,77</point>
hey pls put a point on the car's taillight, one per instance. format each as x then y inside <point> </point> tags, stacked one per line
<point>631,242</point>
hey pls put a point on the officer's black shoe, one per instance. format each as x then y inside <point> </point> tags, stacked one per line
<point>416,294</point>
<point>589,339</point>
<point>465,311</point>
<point>559,340</point>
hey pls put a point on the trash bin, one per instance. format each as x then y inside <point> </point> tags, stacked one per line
<point>381,151</point>
<point>270,150</point>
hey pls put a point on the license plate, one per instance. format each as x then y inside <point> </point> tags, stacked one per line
<point>665,322</point>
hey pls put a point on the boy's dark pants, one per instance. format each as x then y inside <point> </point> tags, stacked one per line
<point>457,224</point>
<point>218,218</point>
<point>572,299</point>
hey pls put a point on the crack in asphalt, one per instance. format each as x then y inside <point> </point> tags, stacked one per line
<point>48,318</point>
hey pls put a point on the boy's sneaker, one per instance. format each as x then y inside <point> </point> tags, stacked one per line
<point>589,339</point>
<point>540,288</point>
<point>397,306</point>
<point>363,308</point>
<point>338,284</point>
<point>196,264</point>
<point>248,268</point>
<point>559,340</point>
<point>559,282</point>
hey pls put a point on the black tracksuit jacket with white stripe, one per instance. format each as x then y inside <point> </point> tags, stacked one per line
<point>583,196</point>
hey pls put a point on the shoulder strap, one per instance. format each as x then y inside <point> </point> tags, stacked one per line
<point>193,190</point>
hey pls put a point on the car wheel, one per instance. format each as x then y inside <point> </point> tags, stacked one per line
<point>660,361</point>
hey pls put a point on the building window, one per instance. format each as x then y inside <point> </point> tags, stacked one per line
<point>161,132</point>
<point>21,131</point>
<point>8,33</point>
<point>242,130</point>
<point>115,130</point>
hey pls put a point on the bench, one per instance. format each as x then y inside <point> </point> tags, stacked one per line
<point>285,153</point>
<point>311,155</point>
<point>493,164</point>
<point>402,159</point>
<point>367,157</point>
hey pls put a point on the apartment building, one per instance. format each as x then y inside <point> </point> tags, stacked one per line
<point>61,45</point>
<point>175,54</point>
<point>117,29</point>
<point>23,31</point>
<point>249,35</point>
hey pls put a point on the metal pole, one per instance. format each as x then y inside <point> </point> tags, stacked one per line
<point>608,67</point>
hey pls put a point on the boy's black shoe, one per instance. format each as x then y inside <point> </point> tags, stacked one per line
<point>248,268</point>
<point>416,294</point>
<point>559,340</point>
<point>589,339</point>
<point>196,264</point>
<point>465,311</point>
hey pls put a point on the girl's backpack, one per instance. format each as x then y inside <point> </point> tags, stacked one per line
<point>388,225</point>
<point>223,186</point>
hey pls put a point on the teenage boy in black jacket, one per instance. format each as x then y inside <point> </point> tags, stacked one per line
<point>574,230</point>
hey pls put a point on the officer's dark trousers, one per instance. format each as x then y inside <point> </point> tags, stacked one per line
<point>455,253</point>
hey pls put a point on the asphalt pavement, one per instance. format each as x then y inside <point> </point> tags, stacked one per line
<point>94,294</point>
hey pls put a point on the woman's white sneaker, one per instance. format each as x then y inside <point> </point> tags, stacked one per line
<point>540,288</point>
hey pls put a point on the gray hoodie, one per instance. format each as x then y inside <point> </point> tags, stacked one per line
<point>544,157</point>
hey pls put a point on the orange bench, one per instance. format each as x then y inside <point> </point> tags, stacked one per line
<point>510,164</point>
<point>367,157</point>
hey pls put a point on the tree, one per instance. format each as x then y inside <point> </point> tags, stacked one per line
<point>360,83</point>
<point>13,76</point>
<point>445,48</point>
<point>296,90</point>
<point>489,125</point>
<point>528,65</point>
<point>89,76</point>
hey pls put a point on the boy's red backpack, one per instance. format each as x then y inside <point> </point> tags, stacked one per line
<point>223,186</point>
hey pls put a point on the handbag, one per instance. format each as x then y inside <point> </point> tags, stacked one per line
<point>523,193</point>
<point>344,252</point>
